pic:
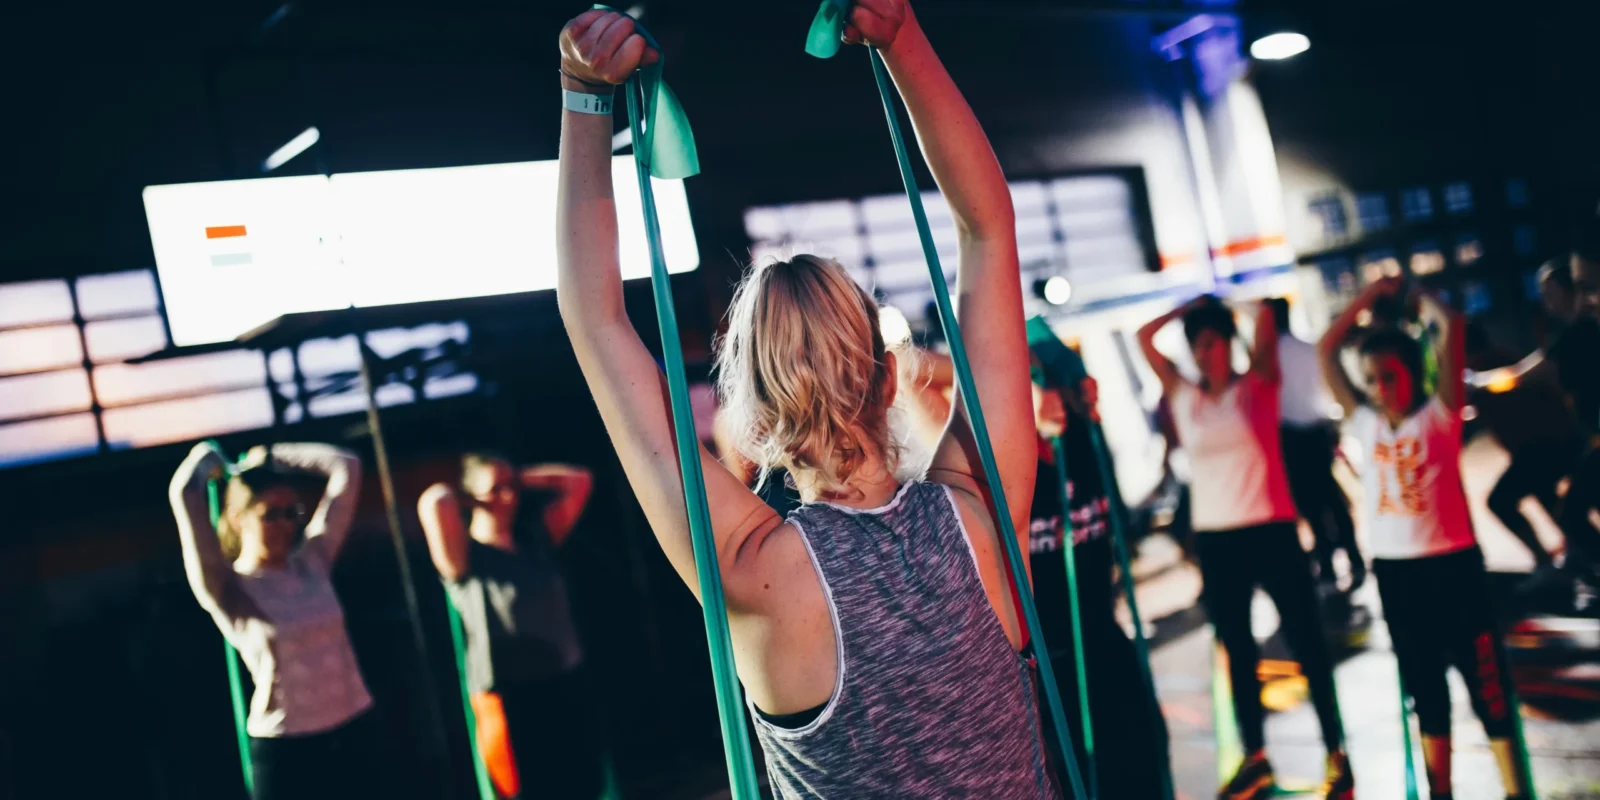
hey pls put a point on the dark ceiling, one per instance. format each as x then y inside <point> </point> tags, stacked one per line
<point>107,98</point>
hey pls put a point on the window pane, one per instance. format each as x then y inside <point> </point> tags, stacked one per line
<point>34,349</point>
<point>122,339</point>
<point>352,401</point>
<point>1458,198</point>
<point>1035,229</point>
<point>320,357</point>
<point>463,383</point>
<point>819,219</point>
<point>189,418</point>
<point>1029,198</point>
<point>1416,204</point>
<point>1095,222</point>
<point>117,294</point>
<point>764,223</point>
<point>34,302</point>
<point>894,245</point>
<point>121,384</point>
<point>1097,191</point>
<point>45,393</point>
<point>46,439</point>
<point>390,342</point>
<point>1373,208</point>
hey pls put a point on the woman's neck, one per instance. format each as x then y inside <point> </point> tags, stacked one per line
<point>1216,387</point>
<point>872,485</point>
<point>486,528</point>
<point>251,561</point>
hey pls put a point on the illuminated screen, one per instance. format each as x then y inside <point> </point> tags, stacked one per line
<point>232,255</point>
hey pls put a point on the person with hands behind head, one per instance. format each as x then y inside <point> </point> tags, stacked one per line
<point>262,573</point>
<point>497,561</point>
<point>1425,556</point>
<point>1245,524</point>
<point>865,623</point>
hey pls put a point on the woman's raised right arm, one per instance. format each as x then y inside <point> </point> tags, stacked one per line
<point>439,510</point>
<point>598,50</point>
<point>208,571</point>
<point>1165,370</point>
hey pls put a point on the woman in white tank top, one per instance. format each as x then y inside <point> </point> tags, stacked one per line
<point>1245,524</point>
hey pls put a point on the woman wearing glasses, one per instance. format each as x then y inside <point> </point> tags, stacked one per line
<point>262,573</point>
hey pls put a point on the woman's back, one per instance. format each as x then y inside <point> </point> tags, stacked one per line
<point>931,699</point>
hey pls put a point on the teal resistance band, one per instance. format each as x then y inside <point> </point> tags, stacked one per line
<point>1405,742</point>
<point>235,683</point>
<point>1520,740</point>
<point>458,639</point>
<point>1092,771</point>
<point>1119,544</point>
<point>664,147</point>
<point>833,21</point>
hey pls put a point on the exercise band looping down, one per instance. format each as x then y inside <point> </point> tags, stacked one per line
<point>664,148</point>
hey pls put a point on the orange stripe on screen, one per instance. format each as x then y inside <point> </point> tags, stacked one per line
<point>224,231</point>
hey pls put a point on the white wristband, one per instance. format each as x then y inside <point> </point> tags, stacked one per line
<point>586,103</point>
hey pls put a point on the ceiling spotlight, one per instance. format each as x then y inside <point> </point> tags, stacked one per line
<point>1057,291</point>
<point>1278,46</point>
<point>291,148</point>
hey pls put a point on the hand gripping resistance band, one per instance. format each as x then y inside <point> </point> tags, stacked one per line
<point>664,148</point>
<point>235,683</point>
<point>829,23</point>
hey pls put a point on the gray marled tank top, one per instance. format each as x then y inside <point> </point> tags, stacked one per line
<point>931,699</point>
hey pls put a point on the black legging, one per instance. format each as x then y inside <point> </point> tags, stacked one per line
<point>1438,613</point>
<point>555,728</point>
<point>1535,469</point>
<point>333,765</point>
<point>1583,494</point>
<point>1129,730</point>
<point>1308,458</point>
<point>1232,564</point>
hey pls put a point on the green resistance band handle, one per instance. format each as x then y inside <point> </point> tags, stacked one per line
<point>724,674</point>
<point>235,681</point>
<point>1091,770</point>
<point>458,641</point>
<point>1119,545</point>
<point>1405,742</point>
<point>980,430</point>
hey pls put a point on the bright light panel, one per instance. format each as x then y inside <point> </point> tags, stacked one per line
<point>1278,46</point>
<point>232,255</point>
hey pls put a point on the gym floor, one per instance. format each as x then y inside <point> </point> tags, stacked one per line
<point>1558,676</point>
